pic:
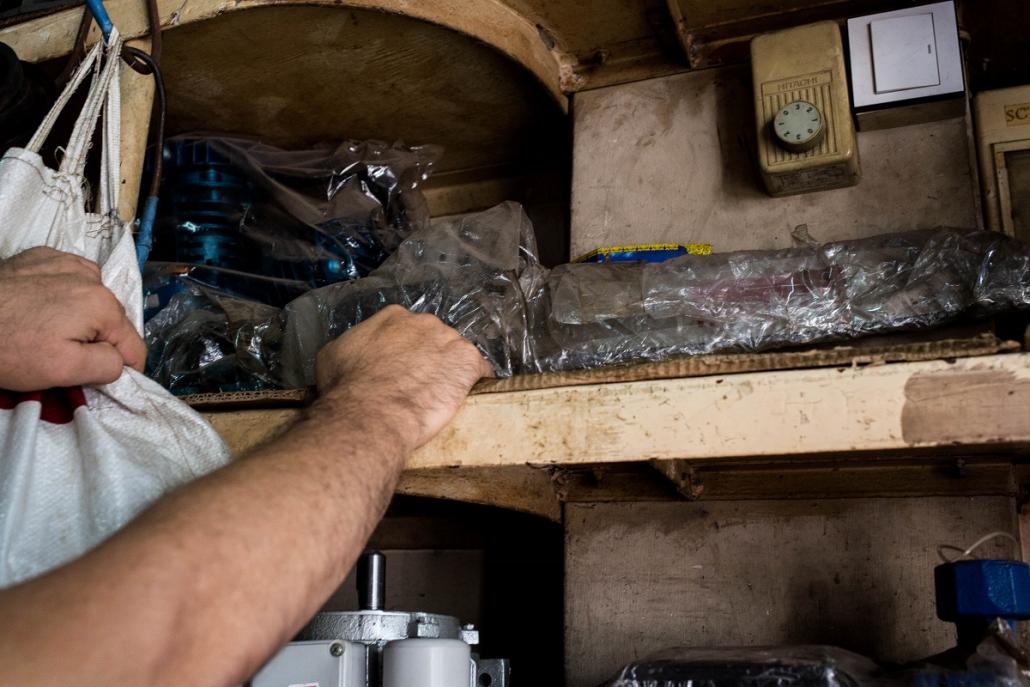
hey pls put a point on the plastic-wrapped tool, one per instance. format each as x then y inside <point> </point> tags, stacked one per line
<point>808,666</point>
<point>754,300</point>
<point>310,217</point>
<point>479,273</point>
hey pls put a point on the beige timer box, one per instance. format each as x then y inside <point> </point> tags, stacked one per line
<point>806,138</point>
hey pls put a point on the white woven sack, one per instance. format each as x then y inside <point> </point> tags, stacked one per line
<point>77,464</point>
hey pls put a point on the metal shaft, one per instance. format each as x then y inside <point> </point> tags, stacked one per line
<point>372,581</point>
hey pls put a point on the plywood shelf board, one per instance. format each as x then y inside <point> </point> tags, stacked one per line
<point>907,407</point>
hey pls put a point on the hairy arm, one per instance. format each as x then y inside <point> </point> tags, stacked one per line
<point>208,583</point>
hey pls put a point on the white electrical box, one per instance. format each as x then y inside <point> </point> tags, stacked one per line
<point>1003,143</point>
<point>806,139</point>
<point>906,66</point>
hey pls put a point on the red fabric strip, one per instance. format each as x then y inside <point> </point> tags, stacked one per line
<point>57,405</point>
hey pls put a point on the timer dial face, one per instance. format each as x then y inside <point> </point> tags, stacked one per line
<point>798,126</point>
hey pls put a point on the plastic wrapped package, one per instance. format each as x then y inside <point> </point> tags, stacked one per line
<point>802,666</point>
<point>313,217</point>
<point>244,224</point>
<point>479,273</point>
<point>1001,654</point>
<point>810,666</point>
<point>472,271</point>
<point>207,341</point>
<point>755,300</point>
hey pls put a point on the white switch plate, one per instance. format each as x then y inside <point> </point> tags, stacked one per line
<point>904,53</point>
<point>889,59</point>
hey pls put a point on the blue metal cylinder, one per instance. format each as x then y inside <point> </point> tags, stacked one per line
<point>974,593</point>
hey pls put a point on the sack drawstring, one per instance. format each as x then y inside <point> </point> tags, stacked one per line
<point>142,63</point>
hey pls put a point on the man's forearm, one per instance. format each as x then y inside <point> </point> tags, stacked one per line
<point>213,578</point>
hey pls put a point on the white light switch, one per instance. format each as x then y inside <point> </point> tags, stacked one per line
<point>904,53</point>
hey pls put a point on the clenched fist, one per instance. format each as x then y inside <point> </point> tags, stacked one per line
<point>59,325</point>
<point>410,372</point>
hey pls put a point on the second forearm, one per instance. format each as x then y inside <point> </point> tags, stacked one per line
<point>228,568</point>
<point>283,578</point>
<point>331,485</point>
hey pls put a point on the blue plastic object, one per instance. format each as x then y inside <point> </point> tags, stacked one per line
<point>101,16</point>
<point>974,593</point>
<point>145,238</point>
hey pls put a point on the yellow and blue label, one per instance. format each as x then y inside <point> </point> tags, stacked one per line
<point>645,252</point>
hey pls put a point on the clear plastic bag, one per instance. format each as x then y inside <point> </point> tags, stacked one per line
<point>479,273</point>
<point>206,341</point>
<point>755,300</point>
<point>809,666</point>
<point>244,224</point>
<point>801,666</point>
<point>312,217</point>
<point>472,271</point>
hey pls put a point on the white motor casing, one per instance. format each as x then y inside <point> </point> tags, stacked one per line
<point>427,663</point>
<point>331,663</point>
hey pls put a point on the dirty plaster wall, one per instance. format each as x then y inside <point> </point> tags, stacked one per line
<point>673,160</point>
<point>855,573</point>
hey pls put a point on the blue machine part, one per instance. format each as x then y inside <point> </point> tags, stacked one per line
<point>145,238</point>
<point>974,593</point>
<point>208,199</point>
<point>222,219</point>
<point>982,589</point>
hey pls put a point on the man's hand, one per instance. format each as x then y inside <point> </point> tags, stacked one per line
<point>207,584</point>
<point>60,326</point>
<point>411,371</point>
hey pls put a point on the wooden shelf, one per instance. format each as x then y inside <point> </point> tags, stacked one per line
<point>979,404</point>
<point>973,403</point>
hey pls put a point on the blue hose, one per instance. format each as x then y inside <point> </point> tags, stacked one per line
<point>145,238</point>
<point>103,19</point>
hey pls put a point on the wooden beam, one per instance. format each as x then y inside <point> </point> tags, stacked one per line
<point>789,479</point>
<point>716,33</point>
<point>137,107</point>
<point>905,407</point>
<point>492,22</point>
<point>519,487</point>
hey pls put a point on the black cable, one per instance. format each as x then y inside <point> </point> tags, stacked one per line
<point>154,19</point>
